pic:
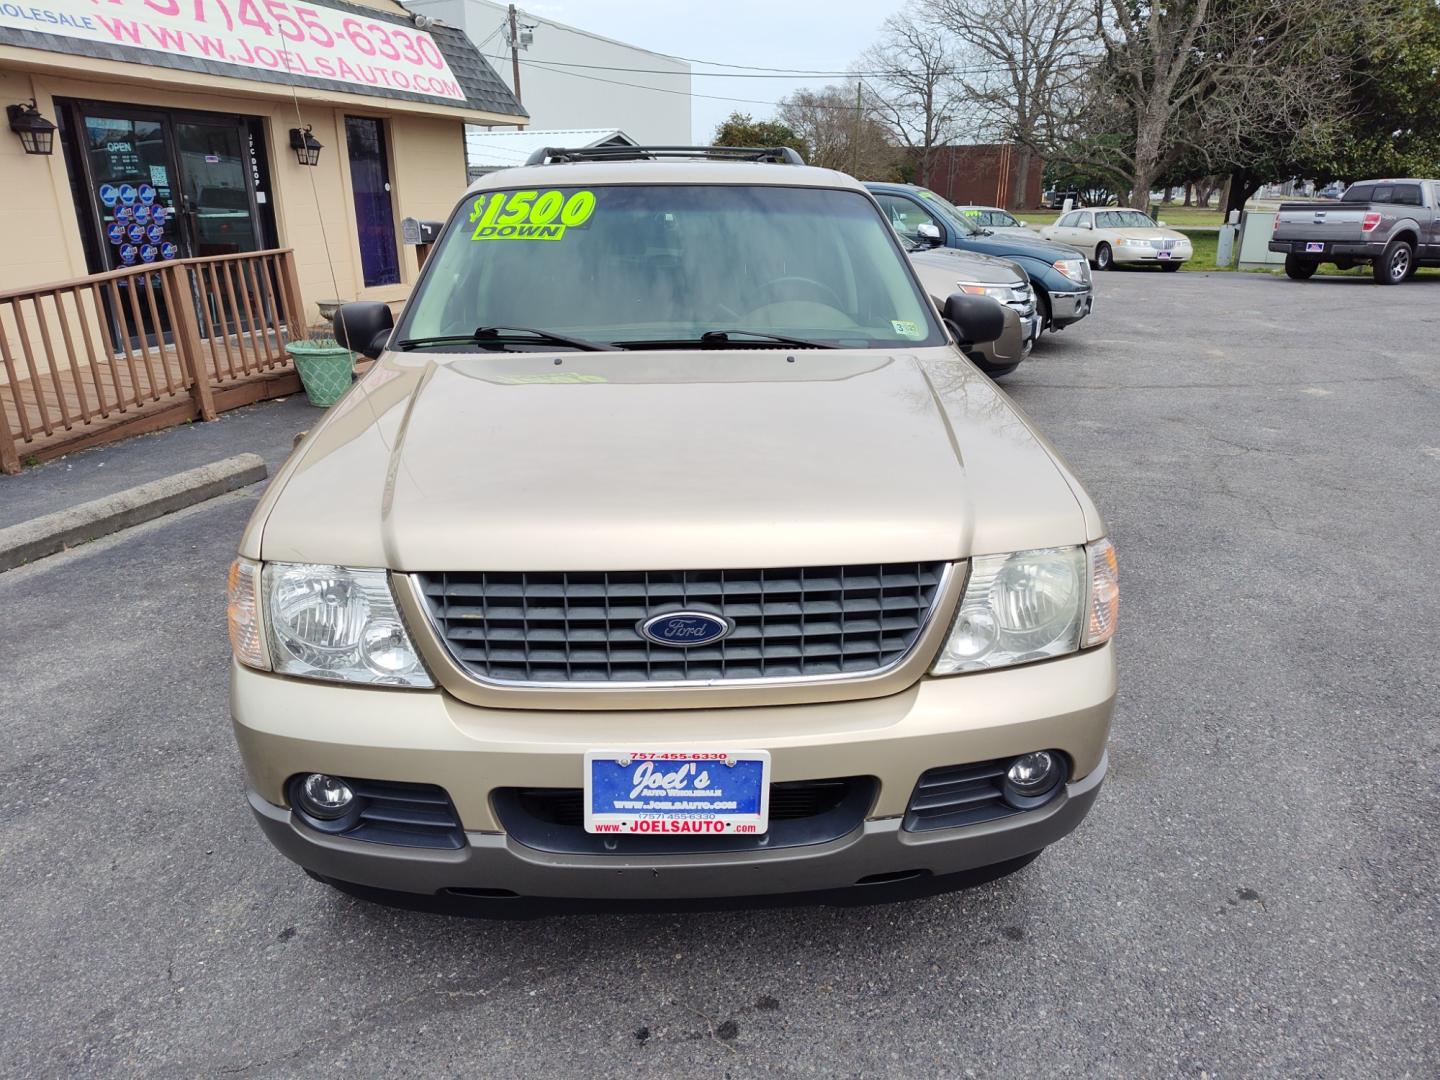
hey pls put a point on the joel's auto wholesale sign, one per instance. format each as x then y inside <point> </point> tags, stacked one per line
<point>276,35</point>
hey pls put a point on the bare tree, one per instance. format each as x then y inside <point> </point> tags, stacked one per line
<point>914,74</point>
<point>838,126</point>
<point>1022,69</point>
<point>1206,77</point>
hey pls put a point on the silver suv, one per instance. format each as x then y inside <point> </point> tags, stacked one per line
<point>671,550</point>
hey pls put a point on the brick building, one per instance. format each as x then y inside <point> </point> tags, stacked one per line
<point>997,174</point>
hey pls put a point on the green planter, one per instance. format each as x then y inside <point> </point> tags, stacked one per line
<point>326,370</point>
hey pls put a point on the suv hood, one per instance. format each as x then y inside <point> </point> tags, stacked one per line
<point>668,460</point>
<point>969,266</point>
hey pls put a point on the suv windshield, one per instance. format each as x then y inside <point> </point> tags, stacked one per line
<point>639,264</point>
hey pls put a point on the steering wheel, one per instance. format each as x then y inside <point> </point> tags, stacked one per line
<point>827,296</point>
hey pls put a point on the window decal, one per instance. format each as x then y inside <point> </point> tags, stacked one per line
<point>529,215</point>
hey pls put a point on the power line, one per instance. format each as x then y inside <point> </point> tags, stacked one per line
<point>638,86</point>
<point>708,74</point>
<point>551,66</point>
<point>796,76</point>
<point>489,37</point>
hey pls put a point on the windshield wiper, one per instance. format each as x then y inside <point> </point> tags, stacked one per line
<point>722,337</point>
<point>719,339</point>
<point>506,335</point>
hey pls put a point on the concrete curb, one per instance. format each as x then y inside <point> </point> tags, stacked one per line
<point>34,539</point>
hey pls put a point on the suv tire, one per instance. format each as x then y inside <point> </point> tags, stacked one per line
<point>1299,269</point>
<point>1393,267</point>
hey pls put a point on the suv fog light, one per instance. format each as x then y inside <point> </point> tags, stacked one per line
<point>325,797</point>
<point>1032,775</point>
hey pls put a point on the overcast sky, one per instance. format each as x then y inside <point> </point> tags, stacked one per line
<point>807,34</point>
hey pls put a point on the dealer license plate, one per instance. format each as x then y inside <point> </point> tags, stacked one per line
<point>677,792</point>
<point>1315,246</point>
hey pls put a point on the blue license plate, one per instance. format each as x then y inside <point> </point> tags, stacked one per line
<point>677,792</point>
<point>1315,247</point>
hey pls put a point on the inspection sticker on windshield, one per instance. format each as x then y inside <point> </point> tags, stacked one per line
<point>529,215</point>
<point>906,329</point>
<point>677,792</point>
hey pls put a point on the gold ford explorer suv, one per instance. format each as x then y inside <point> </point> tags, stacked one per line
<point>670,550</point>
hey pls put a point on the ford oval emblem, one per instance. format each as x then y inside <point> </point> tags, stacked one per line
<point>683,629</point>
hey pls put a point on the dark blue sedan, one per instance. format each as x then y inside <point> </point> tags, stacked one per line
<point>1061,276</point>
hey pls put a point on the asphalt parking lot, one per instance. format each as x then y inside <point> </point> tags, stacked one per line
<point>1254,894</point>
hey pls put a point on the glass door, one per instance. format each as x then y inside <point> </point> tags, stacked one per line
<point>217,205</point>
<point>215,198</point>
<point>128,171</point>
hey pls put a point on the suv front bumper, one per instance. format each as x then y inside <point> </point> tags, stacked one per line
<point>288,726</point>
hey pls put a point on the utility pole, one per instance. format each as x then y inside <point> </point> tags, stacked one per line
<point>855,136</point>
<point>515,50</point>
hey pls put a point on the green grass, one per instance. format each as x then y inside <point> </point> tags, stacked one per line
<point>1204,245</point>
<point>1179,217</point>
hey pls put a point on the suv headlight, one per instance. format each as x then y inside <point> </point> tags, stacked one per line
<point>1074,269</point>
<point>1032,605</point>
<point>321,622</point>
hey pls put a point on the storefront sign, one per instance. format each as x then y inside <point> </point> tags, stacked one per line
<point>316,42</point>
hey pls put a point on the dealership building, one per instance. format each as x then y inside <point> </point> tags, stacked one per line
<point>212,127</point>
<point>189,180</point>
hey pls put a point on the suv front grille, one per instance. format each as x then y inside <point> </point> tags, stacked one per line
<point>583,628</point>
<point>1022,299</point>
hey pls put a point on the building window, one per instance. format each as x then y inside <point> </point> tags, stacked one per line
<point>374,212</point>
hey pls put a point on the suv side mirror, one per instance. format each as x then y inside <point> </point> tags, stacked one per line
<point>363,326</point>
<point>974,319</point>
<point>929,232</point>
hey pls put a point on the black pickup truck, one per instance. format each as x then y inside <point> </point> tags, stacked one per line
<point>1394,225</point>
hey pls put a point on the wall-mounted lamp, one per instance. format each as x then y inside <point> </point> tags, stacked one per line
<point>307,148</point>
<point>37,135</point>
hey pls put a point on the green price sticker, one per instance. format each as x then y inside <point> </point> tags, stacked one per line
<point>529,215</point>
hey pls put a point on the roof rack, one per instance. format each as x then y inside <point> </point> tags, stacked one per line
<point>782,155</point>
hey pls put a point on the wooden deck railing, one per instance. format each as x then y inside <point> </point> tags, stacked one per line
<point>115,354</point>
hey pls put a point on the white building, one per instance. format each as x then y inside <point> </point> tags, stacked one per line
<point>572,78</point>
<point>488,149</point>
